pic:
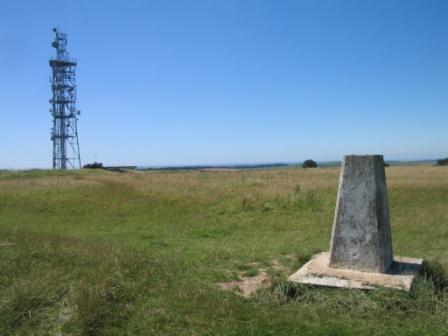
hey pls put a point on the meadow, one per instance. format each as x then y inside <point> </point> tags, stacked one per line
<point>95,252</point>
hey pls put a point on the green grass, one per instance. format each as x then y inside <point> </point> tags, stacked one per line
<point>141,253</point>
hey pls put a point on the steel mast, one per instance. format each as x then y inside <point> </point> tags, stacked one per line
<point>64,133</point>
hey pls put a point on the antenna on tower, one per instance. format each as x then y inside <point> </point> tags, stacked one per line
<point>64,133</point>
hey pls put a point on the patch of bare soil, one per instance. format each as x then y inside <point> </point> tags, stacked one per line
<point>277,266</point>
<point>247,285</point>
<point>65,313</point>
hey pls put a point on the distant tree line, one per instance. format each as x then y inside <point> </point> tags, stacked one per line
<point>95,165</point>
<point>442,162</point>
<point>239,166</point>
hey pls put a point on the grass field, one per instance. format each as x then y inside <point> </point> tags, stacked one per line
<point>141,253</point>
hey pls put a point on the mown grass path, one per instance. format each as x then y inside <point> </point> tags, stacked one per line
<point>141,253</point>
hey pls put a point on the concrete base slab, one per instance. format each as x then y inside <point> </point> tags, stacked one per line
<point>318,272</point>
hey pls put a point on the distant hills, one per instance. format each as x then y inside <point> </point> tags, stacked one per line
<point>273,165</point>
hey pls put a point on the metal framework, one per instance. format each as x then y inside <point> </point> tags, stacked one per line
<point>64,133</point>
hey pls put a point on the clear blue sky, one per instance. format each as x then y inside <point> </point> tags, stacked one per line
<point>229,81</point>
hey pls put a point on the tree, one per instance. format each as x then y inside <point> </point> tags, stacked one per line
<point>309,164</point>
<point>442,162</point>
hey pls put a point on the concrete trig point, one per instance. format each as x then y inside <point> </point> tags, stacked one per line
<point>361,254</point>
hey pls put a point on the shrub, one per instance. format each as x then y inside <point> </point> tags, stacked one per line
<point>309,164</point>
<point>95,165</point>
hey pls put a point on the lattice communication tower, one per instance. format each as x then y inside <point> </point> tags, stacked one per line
<point>64,133</point>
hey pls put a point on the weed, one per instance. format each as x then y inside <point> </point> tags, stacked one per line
<point>99,305</point>
<point>247,204</point>
<point>296,190</point>
<point>286,290</point>
<point>434,271</point>
<point>311,196</point>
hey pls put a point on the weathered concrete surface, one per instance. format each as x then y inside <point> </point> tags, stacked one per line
<point>361,253</point>
<point>361,238</point>
<point>318,272</point>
